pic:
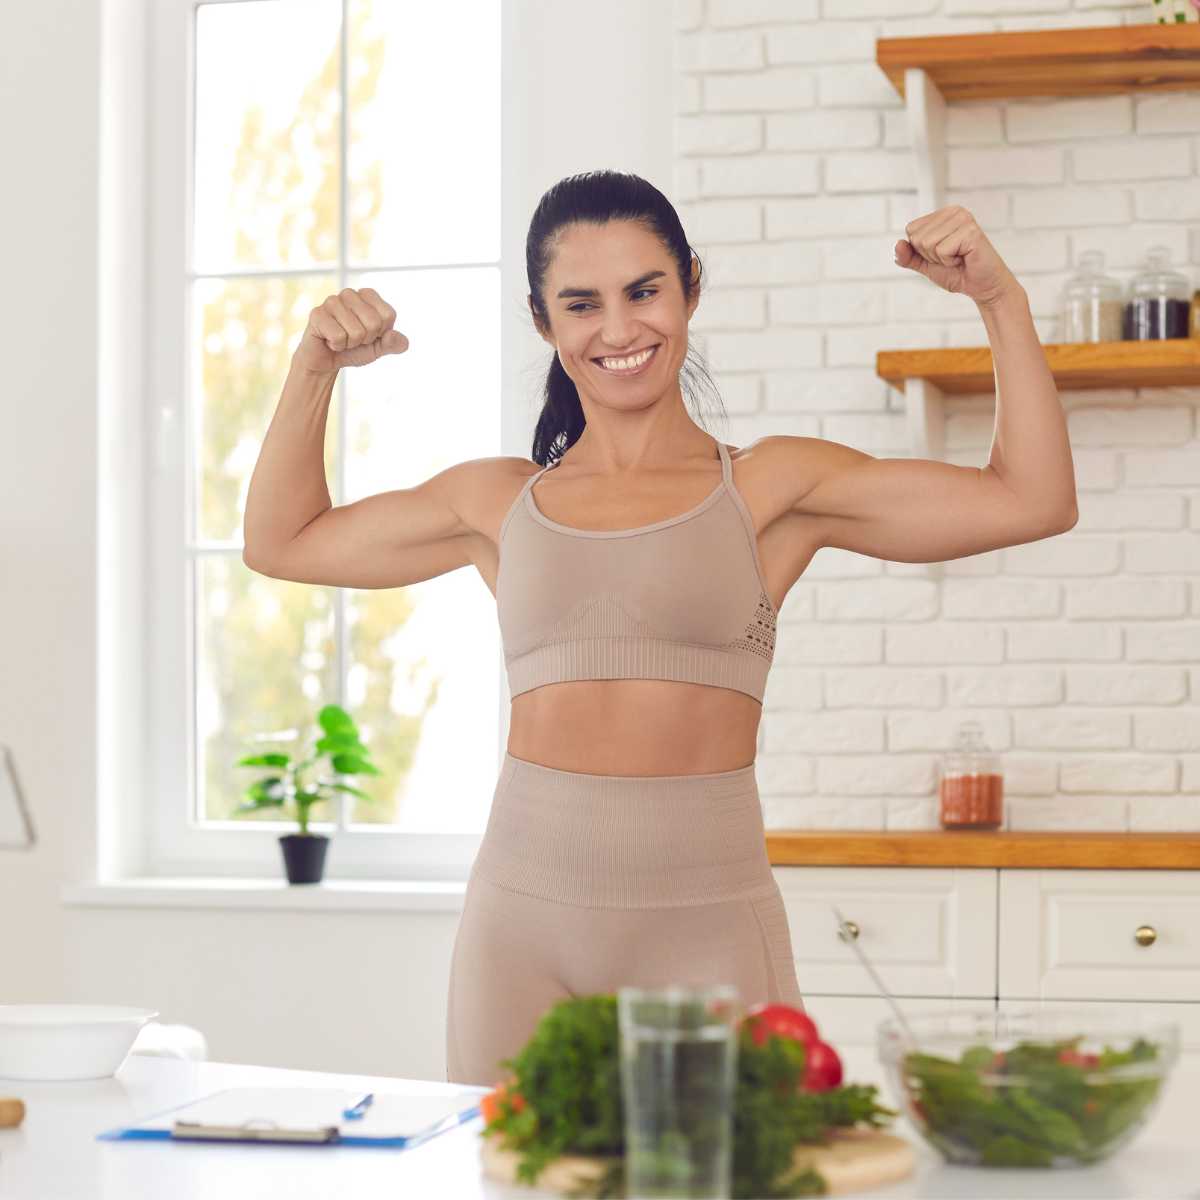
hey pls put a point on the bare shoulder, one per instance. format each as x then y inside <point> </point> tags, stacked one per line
<point>785,467</point>
<point>481,490</point>
<point>776,471</point>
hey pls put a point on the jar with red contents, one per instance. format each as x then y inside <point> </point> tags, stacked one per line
<point>971,790</point>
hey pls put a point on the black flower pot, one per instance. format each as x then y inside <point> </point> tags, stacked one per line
<point>304,856</point>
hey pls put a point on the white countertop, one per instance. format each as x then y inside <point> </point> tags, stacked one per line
<point>54,1155</point>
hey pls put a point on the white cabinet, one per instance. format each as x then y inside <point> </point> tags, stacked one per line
<point>928,932</point>
<point>996,934</point>
<point>1086,935</point>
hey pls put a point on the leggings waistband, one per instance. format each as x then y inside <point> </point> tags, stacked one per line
<point>626,841</point>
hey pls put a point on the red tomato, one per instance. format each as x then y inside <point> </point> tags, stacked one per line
<point>823,1069</point>
<point>1073,1058</point>
<point>783,1020</point>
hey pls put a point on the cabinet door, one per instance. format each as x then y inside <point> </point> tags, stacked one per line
<point>927,932</point>
<point>1074,935</point>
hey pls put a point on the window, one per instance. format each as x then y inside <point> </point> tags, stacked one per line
<point>324,144</point>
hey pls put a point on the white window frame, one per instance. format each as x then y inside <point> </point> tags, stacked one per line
<point>144,827</point>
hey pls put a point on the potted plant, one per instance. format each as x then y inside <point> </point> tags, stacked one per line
<point>304,852</point>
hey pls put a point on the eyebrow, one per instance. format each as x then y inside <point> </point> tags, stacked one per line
<point>569,292</point>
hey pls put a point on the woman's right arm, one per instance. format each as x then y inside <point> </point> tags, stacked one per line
<point>291,529</point>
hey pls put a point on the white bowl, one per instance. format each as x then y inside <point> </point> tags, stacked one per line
<point>66,1041</point>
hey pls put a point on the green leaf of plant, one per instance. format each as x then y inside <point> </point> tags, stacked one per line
<point>353,791</point>
<point>272,759</point>
<point>273,788</point>
<point>333,719</point>
<point>351,764</point>
<point>341,744</point>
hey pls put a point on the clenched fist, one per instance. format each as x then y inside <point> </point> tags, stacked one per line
<point>949,248</point>
<point>351,329</point>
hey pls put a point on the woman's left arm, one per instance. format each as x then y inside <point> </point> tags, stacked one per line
<point>924,510</point>
<point>1031,452</point>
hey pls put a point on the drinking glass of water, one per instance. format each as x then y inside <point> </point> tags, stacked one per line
<point>678,1049</point>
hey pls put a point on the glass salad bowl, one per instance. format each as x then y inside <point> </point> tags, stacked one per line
<point>1030,1087</point>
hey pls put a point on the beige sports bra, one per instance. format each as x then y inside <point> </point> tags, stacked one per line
<point>680,599</point>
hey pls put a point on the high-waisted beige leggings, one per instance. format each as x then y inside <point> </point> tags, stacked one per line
<point>586,883</point>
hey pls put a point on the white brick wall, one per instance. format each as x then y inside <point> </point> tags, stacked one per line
<point>1077,653</point>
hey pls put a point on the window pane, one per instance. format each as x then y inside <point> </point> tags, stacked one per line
<point>246,333</point>
<point>424,122</point>
<point>424,689</point>
<point>424,660</point>
<point>411,415</point>
<point>268,130</point>
<point>264,663</point>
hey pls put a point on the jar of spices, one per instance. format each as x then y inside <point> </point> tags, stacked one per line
<point>1160,306</point>
<point>1091,303</point>
<point>971,787</point>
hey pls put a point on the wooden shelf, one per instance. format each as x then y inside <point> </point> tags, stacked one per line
<point>971,848</point>
<point>1165,362</point>
<point>1060,62</point>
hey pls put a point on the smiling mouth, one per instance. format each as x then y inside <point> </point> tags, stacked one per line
<point>630,370</point>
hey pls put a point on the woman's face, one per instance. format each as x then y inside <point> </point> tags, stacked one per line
<point>614,319</point>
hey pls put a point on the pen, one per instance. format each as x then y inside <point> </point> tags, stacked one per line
<point>352,1114</point>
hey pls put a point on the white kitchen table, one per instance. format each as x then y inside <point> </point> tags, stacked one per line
<point>54,1155</point>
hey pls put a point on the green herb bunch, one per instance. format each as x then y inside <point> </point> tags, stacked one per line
<point>347,756</point>
<point>771,1114</point>
<point>568,1076</point>
<point>1032,1106</point>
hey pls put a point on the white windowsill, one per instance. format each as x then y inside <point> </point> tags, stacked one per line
<point>331,895</point>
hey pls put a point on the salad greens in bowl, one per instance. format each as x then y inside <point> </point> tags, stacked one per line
<point>1034,1087</point>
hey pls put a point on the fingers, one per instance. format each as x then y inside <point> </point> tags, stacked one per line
<point>937,236</point>
<point>380,305</point>
<point>361,317</point>
<point>328,327</point>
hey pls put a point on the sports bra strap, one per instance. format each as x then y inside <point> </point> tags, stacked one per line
<point>726,465</point>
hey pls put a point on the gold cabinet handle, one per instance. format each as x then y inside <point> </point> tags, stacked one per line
<point>849,931</point>
<point>1146,935</point>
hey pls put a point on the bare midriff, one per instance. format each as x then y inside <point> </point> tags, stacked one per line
<point>635,727</point>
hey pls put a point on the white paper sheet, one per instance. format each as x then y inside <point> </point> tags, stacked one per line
<point>391,1114</point>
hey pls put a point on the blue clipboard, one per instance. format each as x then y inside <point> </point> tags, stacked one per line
<point>304,1116</point>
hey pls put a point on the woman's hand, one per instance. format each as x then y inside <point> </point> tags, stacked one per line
<point>351,329</point>
<point>949,248</point>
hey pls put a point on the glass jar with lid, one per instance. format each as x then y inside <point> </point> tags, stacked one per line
<point>1091,302</point>
<point>971,789</point>
<point>1160,302</point>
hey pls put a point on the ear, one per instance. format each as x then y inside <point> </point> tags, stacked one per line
<point>694,302</point>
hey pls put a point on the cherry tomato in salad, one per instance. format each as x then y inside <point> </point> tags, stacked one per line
<point>823,1068</point>
<point>782,1020</point>
<point>1073,1058</point>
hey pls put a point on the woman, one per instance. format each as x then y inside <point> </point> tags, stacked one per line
<point>638,566</point>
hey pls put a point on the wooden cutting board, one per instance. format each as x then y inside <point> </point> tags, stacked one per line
<point>855,1160</point>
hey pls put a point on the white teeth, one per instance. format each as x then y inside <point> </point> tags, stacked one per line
<point>625,364</point>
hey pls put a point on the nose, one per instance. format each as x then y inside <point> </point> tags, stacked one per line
<point>618,333</point>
